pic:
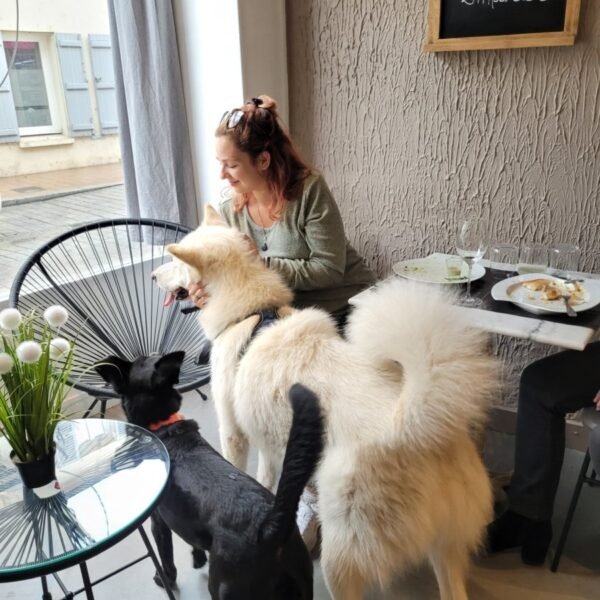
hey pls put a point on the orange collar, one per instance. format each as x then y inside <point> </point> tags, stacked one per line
<point>172,419</point>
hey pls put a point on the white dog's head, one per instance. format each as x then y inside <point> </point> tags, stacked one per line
<point>213,247</point>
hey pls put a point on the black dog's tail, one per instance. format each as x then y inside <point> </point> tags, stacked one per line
<point>302,454</point>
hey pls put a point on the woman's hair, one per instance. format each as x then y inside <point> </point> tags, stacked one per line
<point>254,128</point>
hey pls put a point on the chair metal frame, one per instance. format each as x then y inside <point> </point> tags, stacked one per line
<point>108,249</point>
<point>586,475</point>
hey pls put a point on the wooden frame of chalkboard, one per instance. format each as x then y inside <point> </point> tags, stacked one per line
<point>451,27</point>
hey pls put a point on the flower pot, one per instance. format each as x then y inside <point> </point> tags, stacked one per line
<point>38,472</point>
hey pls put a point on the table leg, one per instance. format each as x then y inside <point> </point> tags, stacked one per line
<point>157,564</point>
<point>87,584</point>
<point>46,595</point>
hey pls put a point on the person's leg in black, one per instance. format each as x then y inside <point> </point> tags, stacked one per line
<point>549,389</point>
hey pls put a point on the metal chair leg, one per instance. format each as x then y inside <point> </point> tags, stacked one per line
<point>202,394</point>
<point>103,400</point>
<point>569,518</point>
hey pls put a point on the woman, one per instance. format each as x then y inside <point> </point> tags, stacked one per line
<point>287,210</point>
<point>289,214</point>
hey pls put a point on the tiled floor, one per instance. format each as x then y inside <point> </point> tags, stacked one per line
<point>501,577</point>
<point>40,185</point>
<point>26,227</point>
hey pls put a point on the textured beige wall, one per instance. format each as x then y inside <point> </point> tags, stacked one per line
<point>406,139</point>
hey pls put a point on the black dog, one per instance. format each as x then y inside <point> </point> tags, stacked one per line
<point>256,552</point>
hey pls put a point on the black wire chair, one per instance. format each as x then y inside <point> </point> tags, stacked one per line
<point>100,272</point>
<point>591,420</point>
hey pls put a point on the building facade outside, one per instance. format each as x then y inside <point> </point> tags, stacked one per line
<point>57,106</point>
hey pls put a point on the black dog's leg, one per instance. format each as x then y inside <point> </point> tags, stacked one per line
<point>164,542</point>
<point>198,558</point>
<point>299,567</point>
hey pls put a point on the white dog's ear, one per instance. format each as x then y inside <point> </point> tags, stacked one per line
<point>183,253</point>
<point>212,217</point>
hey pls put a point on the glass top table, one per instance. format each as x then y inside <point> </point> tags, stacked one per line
<point>111,476</point>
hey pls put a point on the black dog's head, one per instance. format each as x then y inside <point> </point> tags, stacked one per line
<point>146,385</point>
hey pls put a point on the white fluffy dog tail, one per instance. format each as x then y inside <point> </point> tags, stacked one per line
<point>448,375</point>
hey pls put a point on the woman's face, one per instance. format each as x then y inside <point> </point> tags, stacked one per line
<point>237,168</point>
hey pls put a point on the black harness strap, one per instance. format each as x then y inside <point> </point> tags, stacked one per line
<point>268,316</point>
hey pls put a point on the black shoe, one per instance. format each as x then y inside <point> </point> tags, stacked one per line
<point>512,530</point>
<point>505,532</point>
<point>537,536</point>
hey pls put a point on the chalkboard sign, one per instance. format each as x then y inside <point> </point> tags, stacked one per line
<point>486,24</point>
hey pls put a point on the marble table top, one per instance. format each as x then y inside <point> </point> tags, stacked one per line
<point>507,319</point>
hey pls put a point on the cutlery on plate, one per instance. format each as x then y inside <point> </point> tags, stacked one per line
<point>570,310</point>
<point>567,279</point>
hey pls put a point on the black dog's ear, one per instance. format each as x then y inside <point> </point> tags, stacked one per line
<point>166,369</point>
<point>114,370</point>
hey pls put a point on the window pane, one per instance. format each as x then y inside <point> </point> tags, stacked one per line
<point>28,85</point>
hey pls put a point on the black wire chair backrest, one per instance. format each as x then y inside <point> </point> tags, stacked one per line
<point>100,272</point>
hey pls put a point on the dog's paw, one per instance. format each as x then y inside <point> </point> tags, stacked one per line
<point>171,579</point>
<point>198,558</point>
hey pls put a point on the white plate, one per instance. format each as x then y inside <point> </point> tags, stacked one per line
<point>512,290</point>
<point>433,270</point>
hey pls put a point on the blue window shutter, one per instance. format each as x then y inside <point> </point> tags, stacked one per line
<point>9,127</point>
<point>77,95</point>
<point>104,81</point>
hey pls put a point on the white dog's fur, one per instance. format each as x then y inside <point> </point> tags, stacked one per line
<point>400,478</point>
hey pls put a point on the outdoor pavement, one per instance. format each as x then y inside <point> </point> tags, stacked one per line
<point>50,184</point>
<point>25,226</point>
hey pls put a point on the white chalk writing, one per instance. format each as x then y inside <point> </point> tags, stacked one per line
<point>492,3</point>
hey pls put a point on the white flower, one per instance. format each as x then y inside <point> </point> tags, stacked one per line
<point>10,318</point>
<point>6,363</point>
<point>29,352</point>
<point>59,347</point>
<point>56,315</point>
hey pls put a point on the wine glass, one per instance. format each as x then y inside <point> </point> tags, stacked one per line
<point>471,244</point>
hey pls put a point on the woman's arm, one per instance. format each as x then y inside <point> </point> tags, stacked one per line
<point>322,228</point>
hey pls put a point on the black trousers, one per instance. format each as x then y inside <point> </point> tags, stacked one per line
<point>549,389</point>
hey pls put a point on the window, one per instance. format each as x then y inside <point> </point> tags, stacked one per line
<point>32,81</point>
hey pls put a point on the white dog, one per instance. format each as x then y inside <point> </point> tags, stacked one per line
<point>400,478</point>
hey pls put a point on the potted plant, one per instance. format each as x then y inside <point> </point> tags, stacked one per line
<point>33,386</point>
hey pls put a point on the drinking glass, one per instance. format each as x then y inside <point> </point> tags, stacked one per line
<point>471,244</point>
<point>564,259</point>
<point>533,259</point>
<point>504,259</point>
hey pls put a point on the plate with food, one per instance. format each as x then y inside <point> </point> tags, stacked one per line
<point>544,294</point>
<point>438,268</point>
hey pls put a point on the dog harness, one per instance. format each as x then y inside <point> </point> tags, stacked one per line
<point>267,317</point>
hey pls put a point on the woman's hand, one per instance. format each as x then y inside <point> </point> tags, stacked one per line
<point>198,294</point>
<point>251,245</point>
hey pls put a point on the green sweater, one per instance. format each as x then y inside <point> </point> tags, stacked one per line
<point>308,247</point>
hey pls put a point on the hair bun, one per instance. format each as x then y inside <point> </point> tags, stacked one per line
<point>266,102</point>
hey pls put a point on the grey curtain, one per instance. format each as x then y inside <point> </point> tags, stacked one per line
<point>155,142</point>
